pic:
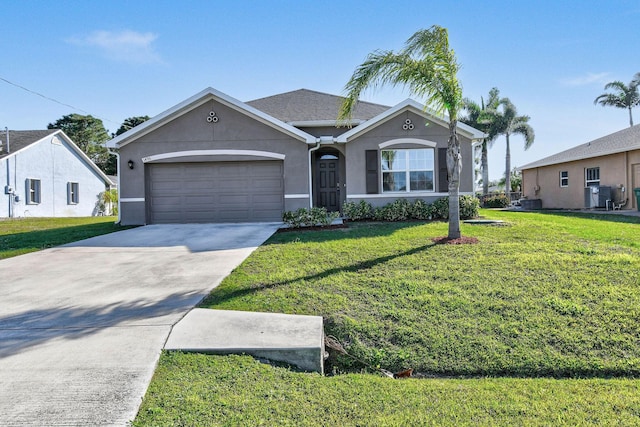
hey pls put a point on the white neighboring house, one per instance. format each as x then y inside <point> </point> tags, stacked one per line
<point>44,174</point>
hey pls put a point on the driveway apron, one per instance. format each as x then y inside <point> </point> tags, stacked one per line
<point>82,325</point>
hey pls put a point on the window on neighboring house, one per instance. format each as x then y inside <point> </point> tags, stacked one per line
<point>564,179</point>
<point>33,191</point>
<point>407,170</point>
<point>592,177</point>
<point>73,193</point>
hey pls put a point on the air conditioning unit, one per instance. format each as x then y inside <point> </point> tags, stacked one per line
<point>591,197</point>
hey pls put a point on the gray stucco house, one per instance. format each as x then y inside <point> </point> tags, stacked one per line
<point>213,158</point>
<point>44,174</point>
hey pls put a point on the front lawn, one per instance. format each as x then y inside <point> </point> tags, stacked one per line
<point>545,296</point>
<point>23,235</point>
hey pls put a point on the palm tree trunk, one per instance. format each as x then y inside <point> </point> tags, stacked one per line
<point>485,169</point>
<point>630,118</point>
<point>454,166</point>
<point>507,172</point>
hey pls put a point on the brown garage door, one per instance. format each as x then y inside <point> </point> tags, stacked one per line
<point>215,192</point>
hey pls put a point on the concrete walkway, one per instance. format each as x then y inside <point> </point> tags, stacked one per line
<point>294,339</point>
<point>82,325</point>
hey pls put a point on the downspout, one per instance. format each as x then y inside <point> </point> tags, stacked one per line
<point>115,153</point>
<point>10,193</point>
<point>318,141</point>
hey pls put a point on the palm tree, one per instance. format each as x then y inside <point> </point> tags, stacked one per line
<point>428,68</point>
<point>623,97</point>
<point>480,117</point>
<point>507,123</point>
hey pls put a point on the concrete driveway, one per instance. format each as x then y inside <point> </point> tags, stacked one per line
<point>82,325</point>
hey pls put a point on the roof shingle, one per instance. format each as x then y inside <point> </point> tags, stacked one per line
<point>618,142</point>
<point>19,139</point>
<point>306,105</point>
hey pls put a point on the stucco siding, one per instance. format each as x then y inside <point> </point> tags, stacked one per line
<point>235,133</point>
<point>393,130</point>
<point>55,164</point>
<point>544,182</point>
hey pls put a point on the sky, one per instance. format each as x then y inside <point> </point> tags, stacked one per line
<point>117,59</point>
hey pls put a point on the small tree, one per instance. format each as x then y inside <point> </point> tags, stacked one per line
<point>427,66</point>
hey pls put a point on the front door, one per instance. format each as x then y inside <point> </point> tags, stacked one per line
<point>327,182</point>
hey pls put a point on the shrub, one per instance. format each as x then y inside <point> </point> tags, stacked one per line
<point>421,210</point>
<point>469,206</point>
<point>497,201</point>
<point>399,210</point>
<point>357,211</point>
<point>441,208</point>
<point>309,217</point>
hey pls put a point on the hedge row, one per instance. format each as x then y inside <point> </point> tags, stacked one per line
<point>401,210</point>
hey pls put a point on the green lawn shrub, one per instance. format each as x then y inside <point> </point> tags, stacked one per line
<point>402,210</point>
<point>358,211</point>
<point>497,201</point>
<point>309,217</point>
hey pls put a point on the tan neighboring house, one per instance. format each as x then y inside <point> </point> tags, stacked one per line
<point>599,174</point>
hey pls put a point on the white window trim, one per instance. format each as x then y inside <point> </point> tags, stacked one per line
<point>73,197</point>
<point>591,181</point>
<point>407,172</point>
<point>564,178</point>
<point>35,192</point>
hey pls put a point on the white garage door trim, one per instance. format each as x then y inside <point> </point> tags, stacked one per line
<point>190,153</point>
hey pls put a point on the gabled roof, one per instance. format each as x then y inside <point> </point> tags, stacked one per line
<point>410,105</point>
<point>198,100</point>
<point>304,107</point>
<point>20,140</point>
<point>618,142</point>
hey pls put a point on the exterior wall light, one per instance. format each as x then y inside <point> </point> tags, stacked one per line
<point>130,163</point>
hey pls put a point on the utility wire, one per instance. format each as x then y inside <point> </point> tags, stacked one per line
<point>53,100</point>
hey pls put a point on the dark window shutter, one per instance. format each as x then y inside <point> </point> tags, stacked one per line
<point>371,157</point>
<point>443,180</point>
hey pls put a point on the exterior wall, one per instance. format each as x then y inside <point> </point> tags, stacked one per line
<point>191,131</point>
<point>544,182</point>
<point>55,164</point>
<point>391,130</point>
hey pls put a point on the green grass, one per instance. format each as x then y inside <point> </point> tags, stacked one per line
<point>23,235</point>
<point>547,296</point>
<point>201,390</point>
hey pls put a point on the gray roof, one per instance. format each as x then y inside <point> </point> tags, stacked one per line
<point>19,139</point>
<point>306,105</point>
<point>618,142</point>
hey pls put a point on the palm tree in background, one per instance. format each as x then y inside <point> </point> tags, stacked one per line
<point>427,66</point>
<point>507,122</point>
<point>623,96</point>
<point>480,116</point>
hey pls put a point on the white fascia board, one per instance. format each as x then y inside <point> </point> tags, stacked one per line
<point>416,107</point>
<point>196,101</point>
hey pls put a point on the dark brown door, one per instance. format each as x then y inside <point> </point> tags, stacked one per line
<point>327,184</point>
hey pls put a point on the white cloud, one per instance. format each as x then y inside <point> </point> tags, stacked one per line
<point>587,79</point>
<point>125,45</point>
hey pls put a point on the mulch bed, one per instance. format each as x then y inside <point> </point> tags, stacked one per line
<point>464,240</point>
